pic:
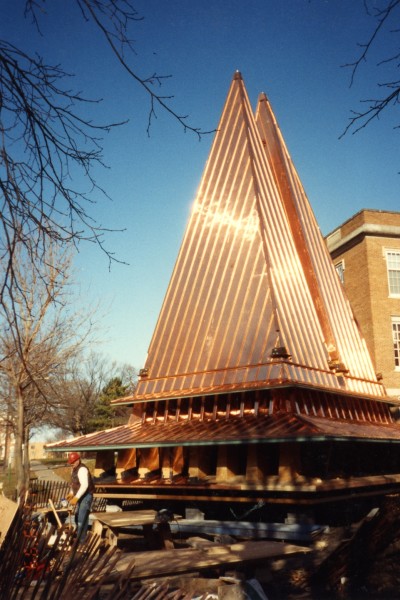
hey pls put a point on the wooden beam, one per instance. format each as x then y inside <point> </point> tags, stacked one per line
<point>230,463</point>
<point>149,460</point>
<point>186,560</point>
<point>126,459</point>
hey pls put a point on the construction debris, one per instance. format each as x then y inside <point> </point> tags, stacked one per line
<point>40,560</point>
<point>350,564</point>
<point>31,567</point>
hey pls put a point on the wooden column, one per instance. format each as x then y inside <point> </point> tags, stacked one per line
<point>258,464</point>
<point>289,462</point>
<point>201,461</point>
<point>126,460</point>
<point>230,459</point>
<point>149,461</point>
<point>172,462</point>
<point>104,462</point>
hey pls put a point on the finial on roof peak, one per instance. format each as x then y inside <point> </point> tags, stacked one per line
<point>237,75</point>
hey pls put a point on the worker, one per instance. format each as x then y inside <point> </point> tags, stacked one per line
<point>81,494</point>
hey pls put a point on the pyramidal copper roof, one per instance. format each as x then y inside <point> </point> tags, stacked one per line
<point>254,304</point>
<point>254,300</point>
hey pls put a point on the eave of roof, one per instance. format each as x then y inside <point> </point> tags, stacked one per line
<point>245,386</point>
<point>233,430</point>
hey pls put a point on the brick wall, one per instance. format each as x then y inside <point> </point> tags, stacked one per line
<point>366,284</point>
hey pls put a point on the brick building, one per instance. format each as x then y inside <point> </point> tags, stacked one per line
<point>366,253</point>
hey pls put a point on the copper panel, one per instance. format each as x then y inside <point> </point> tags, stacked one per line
<point>271,428</point>
<point>253,273</point>
<point>341,334</point>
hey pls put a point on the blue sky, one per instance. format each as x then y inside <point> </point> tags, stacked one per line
<point>290,49</point>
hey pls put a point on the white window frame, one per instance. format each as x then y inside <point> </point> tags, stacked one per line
<point>392,257</point>
<point>396,341</point>
<point>339,267</point>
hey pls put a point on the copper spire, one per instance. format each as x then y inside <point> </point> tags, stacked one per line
<point>253,276</point>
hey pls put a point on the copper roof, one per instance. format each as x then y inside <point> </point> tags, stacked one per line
<point>254,305</point>
<point>262,429</point>
<point>253,273</point>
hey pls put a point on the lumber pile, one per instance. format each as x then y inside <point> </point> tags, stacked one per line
<point>349,565</point>
<point>38,562</point>
<point>183,560</point>
<point>343,561</point>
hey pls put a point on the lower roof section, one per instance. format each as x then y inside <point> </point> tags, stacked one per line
<point>233,430</point>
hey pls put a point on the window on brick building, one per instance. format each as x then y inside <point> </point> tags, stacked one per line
<point>393,270</point>
<point>340,270</point>
<point>396,341</point>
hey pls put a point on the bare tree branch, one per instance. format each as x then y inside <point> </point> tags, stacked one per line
<point>383,16</point>
<point>39,337</point>
<point>47,143</point>
<point>114,18</point>
<point>113,22</point>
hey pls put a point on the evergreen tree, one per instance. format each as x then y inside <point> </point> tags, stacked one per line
<point>104,415</point>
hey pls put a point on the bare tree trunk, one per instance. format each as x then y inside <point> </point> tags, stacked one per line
<point>26,460</point>
<point>19,444</point>
<point>7,444</point>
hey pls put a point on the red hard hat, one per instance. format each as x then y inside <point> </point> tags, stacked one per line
<point>72,457</point>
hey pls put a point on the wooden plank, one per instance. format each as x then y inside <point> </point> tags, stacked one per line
<point>202,464</point>
<point>257,465</point>
<point>354,558</point>
<point>365,486</point>
<point>227,463</point>
<point>53,508</point>
<point>170,562</point>
<point>126,518</point>
<point>111,523</point>
<point>8,510</point>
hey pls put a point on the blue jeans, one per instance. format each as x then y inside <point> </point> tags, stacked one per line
<point>82,516</point>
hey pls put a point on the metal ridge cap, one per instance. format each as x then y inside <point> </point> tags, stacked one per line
<point>266,363</point>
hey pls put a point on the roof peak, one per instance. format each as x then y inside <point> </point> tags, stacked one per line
<point>253,275</point>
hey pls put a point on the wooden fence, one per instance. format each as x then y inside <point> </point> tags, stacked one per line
<point>40,492</point>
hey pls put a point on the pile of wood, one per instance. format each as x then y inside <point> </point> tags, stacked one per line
<point>353,562</point>
<point>38,562</point>
<point>362,560</point>
<point>43,562</point>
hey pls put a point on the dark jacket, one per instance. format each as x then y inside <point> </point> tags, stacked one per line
<point>75,483</point>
